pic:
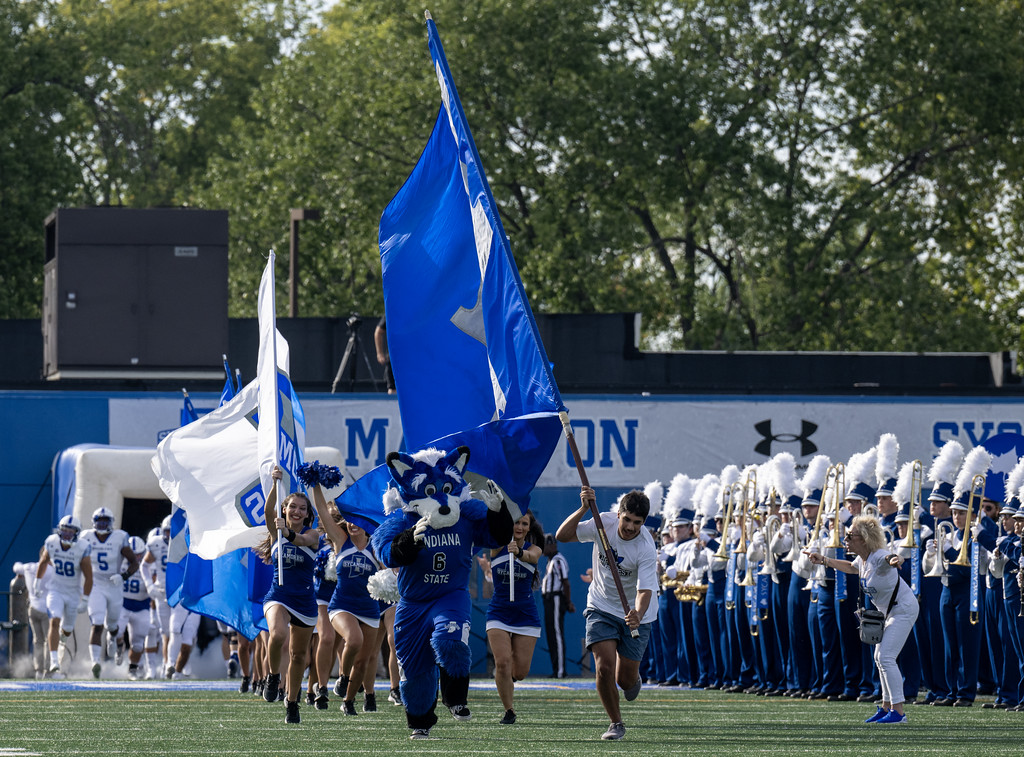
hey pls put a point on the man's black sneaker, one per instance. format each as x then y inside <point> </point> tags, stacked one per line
<point>272,687</point>
<point>370,703</point>
<point>509,717</point>
<point>310,697</point>
<point>420,733</point>
<point>293,712</point>
<point>321,702</point>
<point>348,706</point>
<point>395,697</point>
<point>460,712</point>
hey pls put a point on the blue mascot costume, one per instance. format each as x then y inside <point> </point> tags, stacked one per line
<point>434,526</point>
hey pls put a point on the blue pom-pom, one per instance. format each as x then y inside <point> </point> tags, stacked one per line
<point>308,473</point>
<point>330,476</point>
<point>311,474</point>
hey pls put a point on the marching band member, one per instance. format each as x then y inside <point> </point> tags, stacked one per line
<point>1012,590</point>
<point>783,475</point>
<point>961,637</point>
<point>813,484</point>
<point>672,643</point>
<point>714,600</point>
<point>859,674</point>
<point>909,658</point>
<point>931,644</point>
<point>996,602</point>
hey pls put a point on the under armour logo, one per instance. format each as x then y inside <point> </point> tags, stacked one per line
<point>764,447</point>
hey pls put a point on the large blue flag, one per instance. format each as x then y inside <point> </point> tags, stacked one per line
<point>468,361</point>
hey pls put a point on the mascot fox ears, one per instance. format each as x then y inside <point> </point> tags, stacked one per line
<point>429,472</point>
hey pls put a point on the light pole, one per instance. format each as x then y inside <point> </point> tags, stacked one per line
<point>298,214</point>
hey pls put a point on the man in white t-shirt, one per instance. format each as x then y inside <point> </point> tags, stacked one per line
<point>617,652</point>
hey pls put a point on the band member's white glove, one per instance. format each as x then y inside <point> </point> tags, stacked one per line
<point>671,571</point>
<point>930,547</point>
<point>786,529</point>
<point>975,530</point>
<point>947,543</point>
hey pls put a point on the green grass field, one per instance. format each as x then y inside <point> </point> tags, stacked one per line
<point>191,719</point>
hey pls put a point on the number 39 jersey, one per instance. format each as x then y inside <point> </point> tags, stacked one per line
<point>66,564</point>
<point>106,555</point>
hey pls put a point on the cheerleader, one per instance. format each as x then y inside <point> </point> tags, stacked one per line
<point>513,623</point>
<point>354,614</point>
<point>324,583</point>
<point>290,605</point>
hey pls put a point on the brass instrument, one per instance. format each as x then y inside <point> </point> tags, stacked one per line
<point>942,529</point>
<point>723,547</point>
<point>813,540</point>
<point>916,482</point>
<point>963,559</point>
<point>772,525</point>
<point>691,593</point>
<point>871,510</point>
<point>747,525</point>
<point>838,471</point>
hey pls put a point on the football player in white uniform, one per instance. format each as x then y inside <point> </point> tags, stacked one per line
<point>154,573</point>
<point>109,548</point>
<point>70,586</point>
<point>135,615</point>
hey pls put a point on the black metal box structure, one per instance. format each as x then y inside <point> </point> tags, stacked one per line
<point>135,293</point>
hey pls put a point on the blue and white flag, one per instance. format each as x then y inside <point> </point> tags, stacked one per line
<point>282,424</point>
<point>210,469</point>
<point>468,360</point>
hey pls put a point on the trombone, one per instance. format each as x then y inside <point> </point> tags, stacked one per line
<point>916,482</point>
<point>963,559</point>
<point>942,529</point>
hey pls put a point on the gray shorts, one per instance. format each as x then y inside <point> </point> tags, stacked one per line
<point>601,627</point>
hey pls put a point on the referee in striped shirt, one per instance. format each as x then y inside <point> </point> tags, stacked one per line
<point>555,591</point>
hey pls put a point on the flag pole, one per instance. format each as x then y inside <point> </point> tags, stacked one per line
<point>277,434</point>
<point>601,534</point>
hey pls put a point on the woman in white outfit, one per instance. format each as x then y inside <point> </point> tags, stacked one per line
<point>879,577</point>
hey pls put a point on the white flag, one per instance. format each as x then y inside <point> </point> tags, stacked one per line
<point>209,468</point>
<point>281,423</point>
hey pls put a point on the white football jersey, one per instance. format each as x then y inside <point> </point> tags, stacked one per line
<point>65,563</point>
<point>158,547</point>
<point>106,555</point>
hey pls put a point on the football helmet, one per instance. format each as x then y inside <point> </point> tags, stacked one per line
<point>69,527</point>
<point>138,546</point>
<point>103,520</point>
<point>165,528</point>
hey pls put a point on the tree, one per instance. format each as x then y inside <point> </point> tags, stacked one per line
<point>37,64</point>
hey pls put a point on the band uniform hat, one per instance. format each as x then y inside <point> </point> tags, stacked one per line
<point>903,513</point>
<point>943,471</point>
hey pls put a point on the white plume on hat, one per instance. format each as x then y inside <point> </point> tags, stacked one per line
<point>814,476</point>
<point>784,475</point>
<point>885,464</point>
<point>1015,481</point>
<point>710,506</point>
<point>764,480</point>
<point>946,463</point>
<point>679,491</point>
<point>904,483</point>
<point>655,493</point>
<point>697,493</point>
<point>860,468</point>
<point>730,475</point>
<point>978,461</point>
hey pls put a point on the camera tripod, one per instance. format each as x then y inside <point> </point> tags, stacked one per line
<point>347,361</point>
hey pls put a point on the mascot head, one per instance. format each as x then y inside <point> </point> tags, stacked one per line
<point>429,484</point>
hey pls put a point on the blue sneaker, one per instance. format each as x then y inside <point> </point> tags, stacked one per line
<point>892,718</point>
<point>879,714</point>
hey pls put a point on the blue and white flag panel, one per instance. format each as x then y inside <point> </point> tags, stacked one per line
<point>464,346</point>
<point>282,440</point>
<point>209,468</point>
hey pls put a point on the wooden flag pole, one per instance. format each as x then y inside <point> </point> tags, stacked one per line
<point>601,534</point>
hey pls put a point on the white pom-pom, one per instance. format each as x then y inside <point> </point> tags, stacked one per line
<point>383,586</point>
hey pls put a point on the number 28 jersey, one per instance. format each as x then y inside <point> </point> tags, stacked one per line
<point>66,564</point>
